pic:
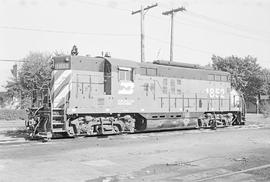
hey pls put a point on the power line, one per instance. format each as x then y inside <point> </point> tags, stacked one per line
<point>100,5</point>
<point>63,32</point>
<point>220,22</point>
<point>226,32</point>
<point>241,28</point>
<point>214,29</point>
<point>224,23</point>
<point>108,34</point>
<point>9,60</point>
<point>80,33</point>
<point>180,45</point>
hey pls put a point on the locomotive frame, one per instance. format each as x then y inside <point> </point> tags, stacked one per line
<point>103,95</point>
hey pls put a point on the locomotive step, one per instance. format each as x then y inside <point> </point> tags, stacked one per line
<point>58,123</point>
<point>58,109</point>
<point>58,130</point>
<point>57,116</point>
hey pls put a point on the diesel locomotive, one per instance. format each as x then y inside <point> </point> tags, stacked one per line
<point>104,95</point>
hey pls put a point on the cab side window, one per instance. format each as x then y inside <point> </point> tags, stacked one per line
<point>125,74</point>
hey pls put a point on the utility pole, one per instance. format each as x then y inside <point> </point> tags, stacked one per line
<point>171,12</point>
<point>141,11</point>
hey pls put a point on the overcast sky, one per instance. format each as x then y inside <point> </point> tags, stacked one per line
<point>220,27</point>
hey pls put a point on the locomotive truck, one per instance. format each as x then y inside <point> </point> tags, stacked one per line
<point>104,95</point>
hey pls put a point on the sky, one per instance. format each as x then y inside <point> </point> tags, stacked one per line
<point>219,27</point>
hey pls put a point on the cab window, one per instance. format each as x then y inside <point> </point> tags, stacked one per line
<point>217,77</point>
<point>224,78</point>
<point>126,74</point>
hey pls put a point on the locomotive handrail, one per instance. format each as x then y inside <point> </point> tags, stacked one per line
<point>88,75</point>
<point>203,98</point>
<point>88,82</point>
<point>183,99</point>
<point>158,84</point>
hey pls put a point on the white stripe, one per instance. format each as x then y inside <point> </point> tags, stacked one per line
<point>61,79</point>
<point>62,94</point>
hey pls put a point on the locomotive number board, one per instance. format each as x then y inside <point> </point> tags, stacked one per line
<point>61,65</point>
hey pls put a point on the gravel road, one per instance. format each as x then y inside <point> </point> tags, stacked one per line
<point>226,154</point>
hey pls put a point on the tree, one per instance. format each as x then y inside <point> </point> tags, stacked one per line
<point>13,88</point>
<point>265,76</point>
<point>245,75</point>
<point>34,73</point>
<point>4,99</point>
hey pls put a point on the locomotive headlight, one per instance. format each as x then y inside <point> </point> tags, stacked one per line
<point>67,59</point>
<point>73,110</point>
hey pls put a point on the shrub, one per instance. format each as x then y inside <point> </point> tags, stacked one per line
<point>12,114</point>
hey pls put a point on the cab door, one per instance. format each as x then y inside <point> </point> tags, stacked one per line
<point>107,78</point>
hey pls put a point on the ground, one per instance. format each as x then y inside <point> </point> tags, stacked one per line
<point>227,154</point>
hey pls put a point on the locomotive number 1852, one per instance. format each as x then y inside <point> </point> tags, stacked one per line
<point>215,92</point>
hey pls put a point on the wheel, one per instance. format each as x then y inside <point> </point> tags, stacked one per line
<point>199,123</point>
<point>116,129</point>
<point>99,131</point>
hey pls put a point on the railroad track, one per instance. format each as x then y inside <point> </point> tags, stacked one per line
<point>18,140</point>
<point>216,177</point>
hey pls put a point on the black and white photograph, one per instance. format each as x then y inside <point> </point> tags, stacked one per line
<point>134,91</point>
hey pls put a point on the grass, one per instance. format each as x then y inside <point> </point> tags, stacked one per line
<point>12,114</point>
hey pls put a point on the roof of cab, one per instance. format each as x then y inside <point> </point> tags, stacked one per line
<point>122,62</point>
<point>116,63</point>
